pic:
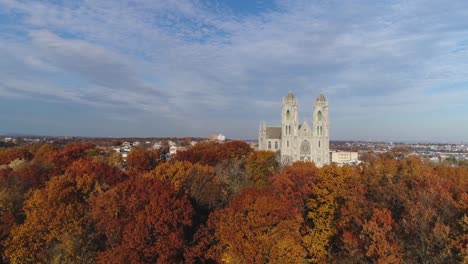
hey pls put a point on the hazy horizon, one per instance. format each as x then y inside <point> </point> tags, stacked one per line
<point>391,71</point>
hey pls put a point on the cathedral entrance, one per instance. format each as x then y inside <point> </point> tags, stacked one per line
<point>305,150</point>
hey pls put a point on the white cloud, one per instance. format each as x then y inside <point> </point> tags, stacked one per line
<point>200,61</point>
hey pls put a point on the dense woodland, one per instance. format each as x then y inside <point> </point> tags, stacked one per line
<point>225,203</point>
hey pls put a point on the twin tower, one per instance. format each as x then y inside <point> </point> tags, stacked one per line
<point>299,142</point>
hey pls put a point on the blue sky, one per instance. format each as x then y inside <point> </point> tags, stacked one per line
<point>391,70</point>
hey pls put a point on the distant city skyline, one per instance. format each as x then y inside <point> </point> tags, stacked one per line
<point>391,71</point>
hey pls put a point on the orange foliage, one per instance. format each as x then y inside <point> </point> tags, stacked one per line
<point>105,174</point>
<point>213,153</point>
<point>57,228</point>
<point>11,154</point>
<point>143,220</point>
<point>197,181</point>
<point>380,237</point>
<point>69,154</point>
<point>68,205</point>
<point>295,182</point>
<point>257,227</point>
<point>141,160</point>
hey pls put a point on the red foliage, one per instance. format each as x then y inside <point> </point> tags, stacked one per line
<point>104,173</point>
<point>141,160</point>
<point>33,174</point>
<point>11,154</point>
<point>143,220</point>
<point>7,220</point>
<point>212,153</point>
<point>295,182</point>
<point>69,154</point>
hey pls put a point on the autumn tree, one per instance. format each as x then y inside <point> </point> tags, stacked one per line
<point>11,202</point>
<point>11,154</point>
<point>116,160</point>
<point>416,208</point>
<point>56,228</point>
<point>257,227</point>
<point>140,160</point>
<point>382,246</point>
<point>322,207</point>
<point>232,172</point>
<point>197,181</point>
<point>99,170</point>
<point>69,154</point>
<point>143,221</point>
<point>260,165</point>
<point>295,182</point>
<point>213,153</point>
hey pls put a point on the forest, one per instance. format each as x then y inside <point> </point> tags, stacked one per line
<point>226,203</point>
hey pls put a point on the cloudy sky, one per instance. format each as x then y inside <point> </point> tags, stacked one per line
<point>391,70</point>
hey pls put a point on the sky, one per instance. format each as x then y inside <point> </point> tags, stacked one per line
<point>391,70</point>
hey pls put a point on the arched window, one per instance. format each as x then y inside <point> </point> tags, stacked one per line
<point>288,115</point>
<point>321,130</point>
<point>319,115</point>
<point>276,144</point>
<point>319,143</point>
<point>269,144</point>
<point>287,143</point>
<point>318,131</point>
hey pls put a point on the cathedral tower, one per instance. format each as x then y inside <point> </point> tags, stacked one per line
<point>289,127</point>
<point>321,135</point>
<point>298,142</point>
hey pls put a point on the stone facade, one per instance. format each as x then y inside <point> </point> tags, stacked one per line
<point>294,141</point>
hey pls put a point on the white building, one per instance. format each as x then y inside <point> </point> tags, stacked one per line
<point>172,150</point>
<point>218,137</point>
<point>296,141</point>
<point>157,145</point>
<point>344,157</point>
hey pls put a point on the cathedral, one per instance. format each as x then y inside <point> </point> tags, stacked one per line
<point>294,141</point>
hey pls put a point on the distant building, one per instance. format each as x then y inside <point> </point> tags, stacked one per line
<point>157,145</point>
<point>173,150</point>
<point>344,157</point>
<point>295,141</point>
<point>218,137</point>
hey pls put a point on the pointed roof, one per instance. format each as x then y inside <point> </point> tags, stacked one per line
<point>304,127</point>
<point>290,95</point>
<point>321,98</point>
